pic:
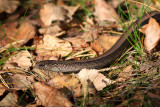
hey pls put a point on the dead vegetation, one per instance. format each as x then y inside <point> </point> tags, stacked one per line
<point>72,30</point>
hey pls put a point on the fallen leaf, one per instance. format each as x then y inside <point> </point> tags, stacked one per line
<point>98,79</point>
<point>50,12</point>
<point>21,82</point>
<point>69,82</point>
<point>105,11</point>
<point>152,35</point>
<point>143,28</point>
<point>22,59</point>
<point>65,81</point>
<point>8,6</point>
<point>2,89</point>
<point>90,34</point>
<point>157,3</point>
<point>60,2</point>
<point>50,96</point>
<point>26,32</point>
<point>12,67</point>
<point>77,43</point>
<point>71,10</point>
<point>97,47</point>
<point>50,30</point>
<point>105,42</point>
<point>53,46</point>
<point>115,3</point>
<point>8,101</point>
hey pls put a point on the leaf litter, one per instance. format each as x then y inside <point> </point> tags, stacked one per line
<point>151,29</point>
<point>56,35</point>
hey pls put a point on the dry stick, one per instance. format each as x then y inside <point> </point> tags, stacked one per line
<point>78,53</point>
<point>114,32</point>
<point>3,81</point>
<point>78,56</point>
<point>59,34</point>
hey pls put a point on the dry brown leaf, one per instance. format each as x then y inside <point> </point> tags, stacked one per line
<point>71,10</point>
<point>72,83</point>
<point>50,12</point>
<point>77,43</point>
<point>50,96</point>
<point>9,101</point>
<point>115,3</point>
<point>97,47</point>
<point>47,58</point>
<point>90,34</point>
<point>26,32</point>
<point>21,82</point>
<point>105,11</point>
<point>107,41</point>
<point>60,2</point>
<point>12,67</point>
<point>98,79</point>
<point>8,6</point>
<point>53,46</point>
<point>143,28</point>
<point>152,35</point>
<point>65,81</point>
<point>2,89</point>
<point>157,3</point>
<point>104,42</point>
<point>22,59</point>
<point>50,30</point>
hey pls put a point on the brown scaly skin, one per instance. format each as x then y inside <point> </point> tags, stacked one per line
<point>101,61</point>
